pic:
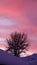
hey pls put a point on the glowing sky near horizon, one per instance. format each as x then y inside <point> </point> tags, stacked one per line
<point>19,15</point>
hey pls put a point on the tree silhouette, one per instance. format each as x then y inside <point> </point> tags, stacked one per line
<point>17,43</point>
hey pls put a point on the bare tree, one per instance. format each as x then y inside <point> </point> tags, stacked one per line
<point>17,43</point>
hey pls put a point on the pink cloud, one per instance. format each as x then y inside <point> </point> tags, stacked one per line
<point>22,12</point>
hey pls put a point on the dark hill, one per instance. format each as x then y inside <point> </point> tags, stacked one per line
<point>8,59</point>
<point>32,59</point>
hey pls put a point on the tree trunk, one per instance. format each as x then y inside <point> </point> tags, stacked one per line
<point>16,53</point>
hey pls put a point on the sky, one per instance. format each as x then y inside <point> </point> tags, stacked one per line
<point>19,15</point>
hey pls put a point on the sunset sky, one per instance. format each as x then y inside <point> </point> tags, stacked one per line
<point>19,15</point>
